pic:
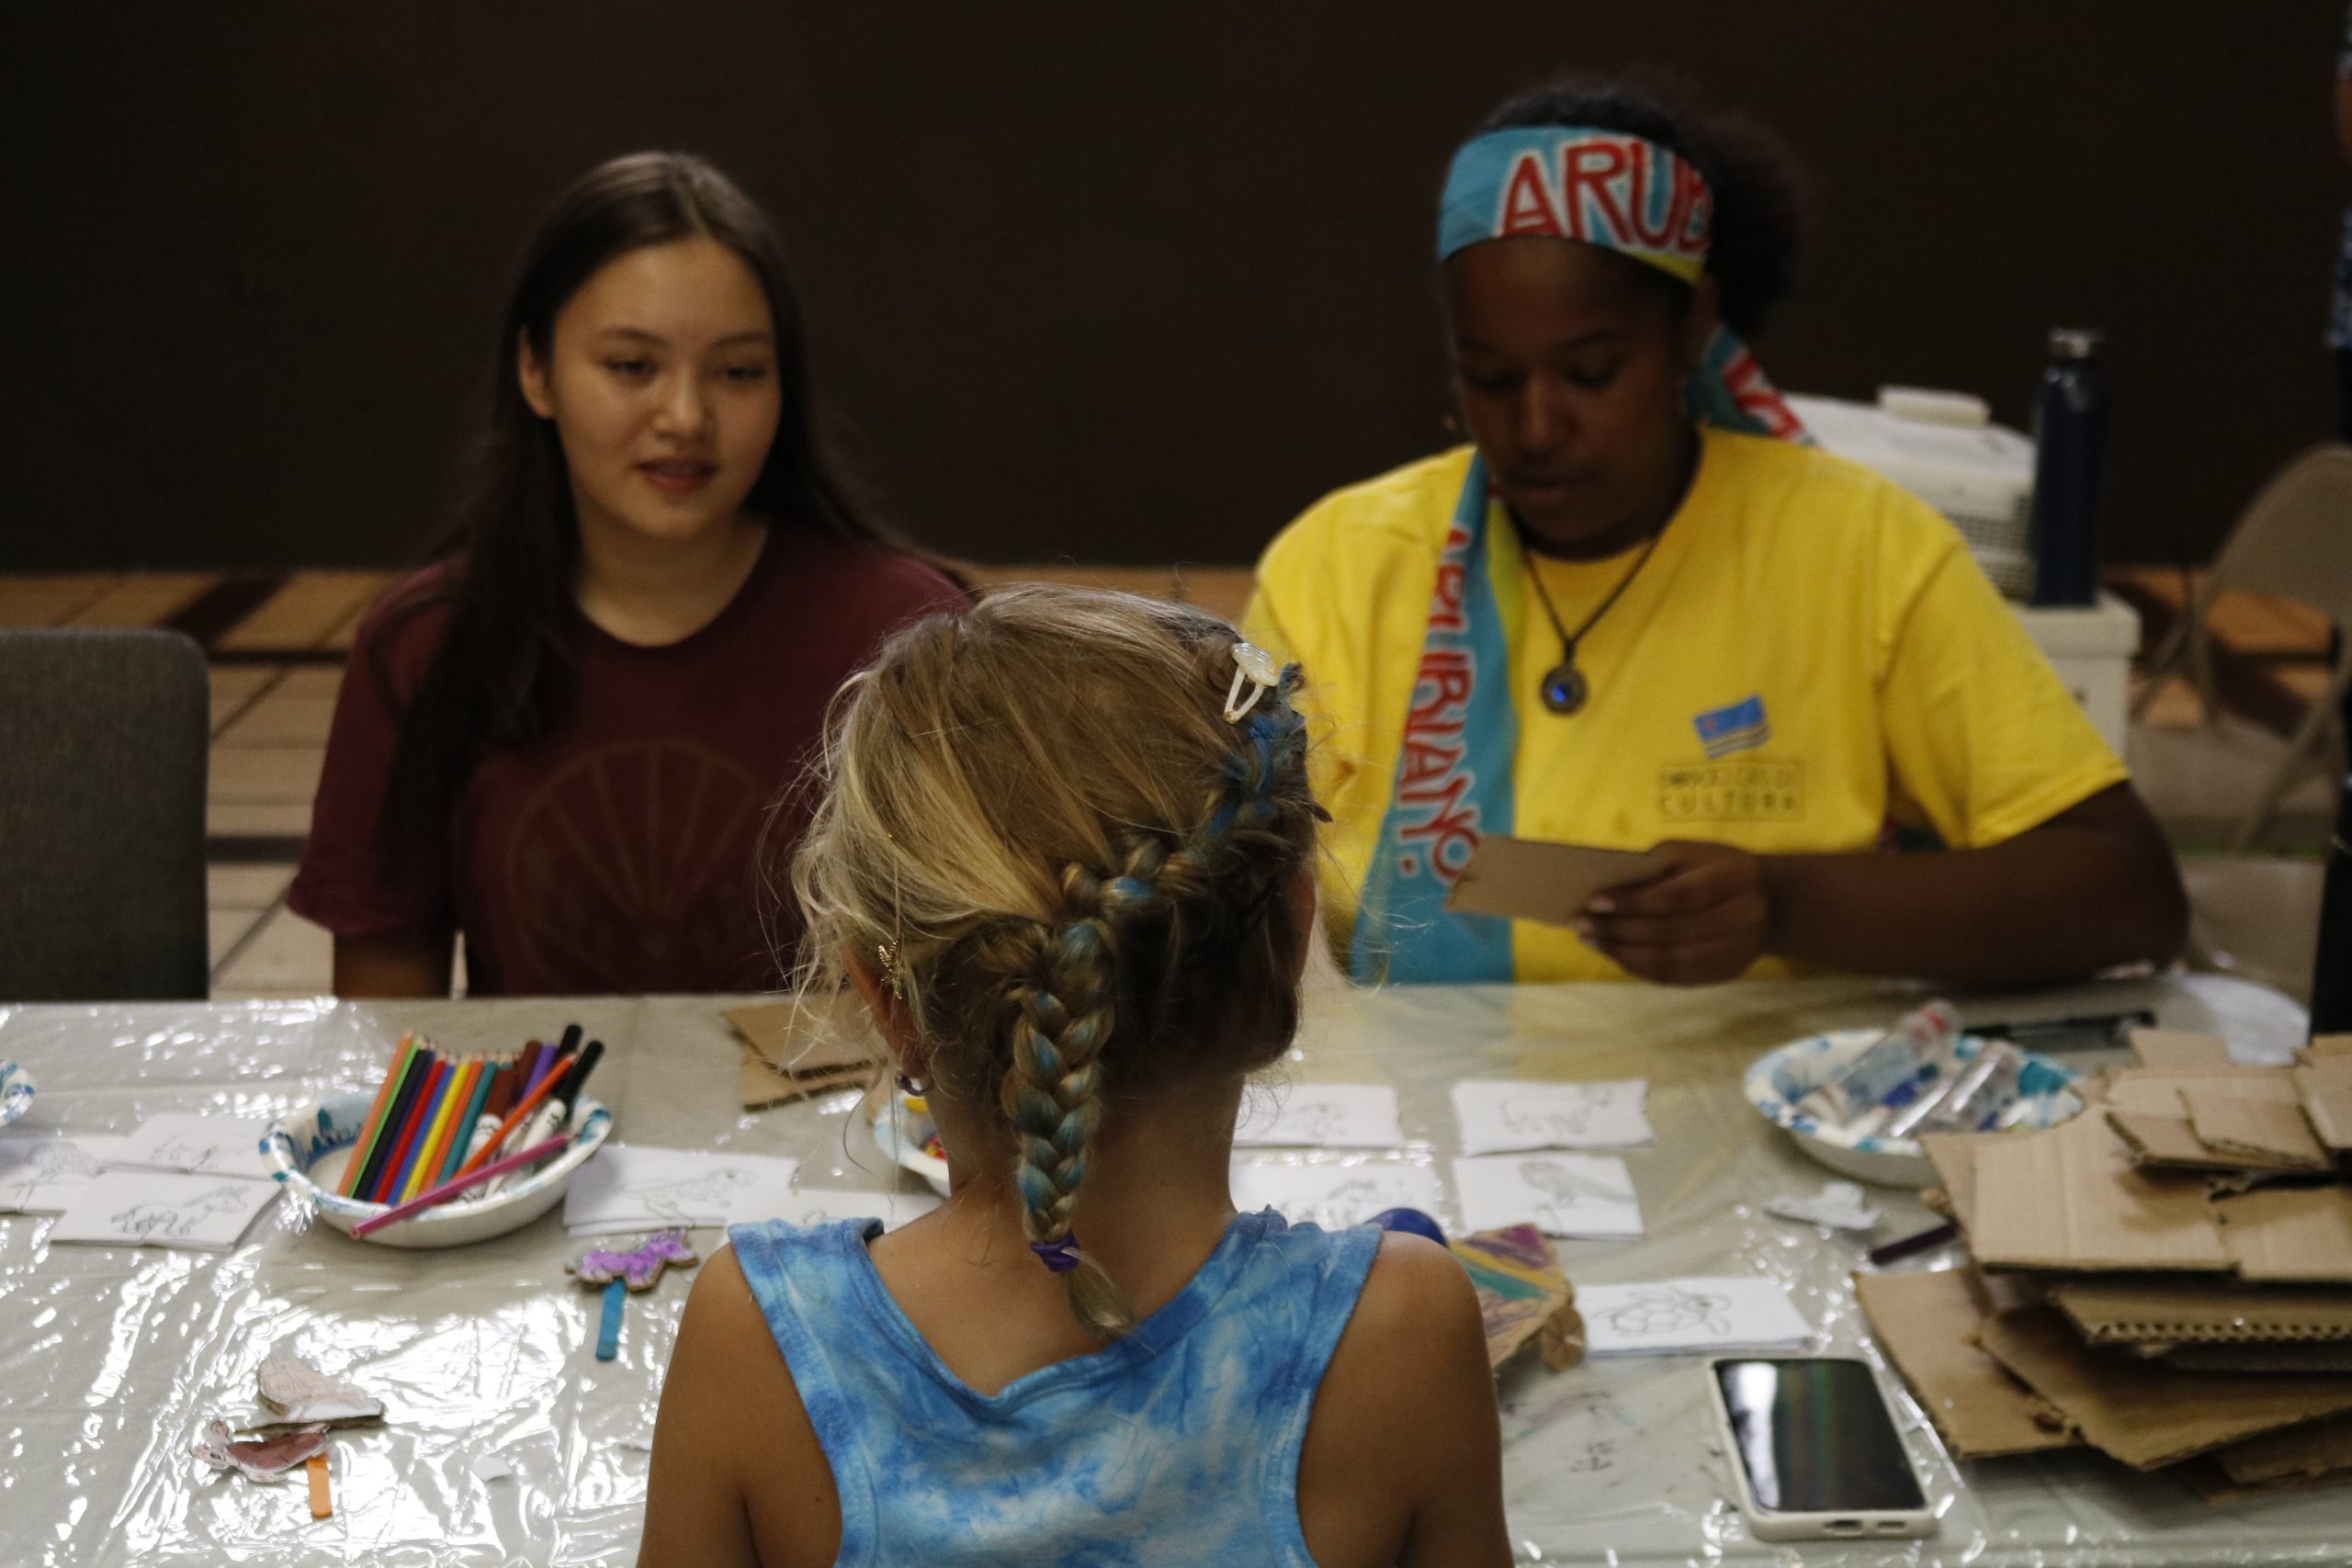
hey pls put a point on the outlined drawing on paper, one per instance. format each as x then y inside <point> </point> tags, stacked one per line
<point>1654,1312</point>
<point>682,1200</point>
<point>142,1221</point>
<point>49,1161</point>
<point>1571,1188</point>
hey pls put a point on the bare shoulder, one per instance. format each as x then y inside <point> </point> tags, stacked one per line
<point>738,1476</point>
<point>1403,1448</point>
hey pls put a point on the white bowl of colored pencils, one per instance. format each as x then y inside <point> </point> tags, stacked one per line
<point>449,1149</point>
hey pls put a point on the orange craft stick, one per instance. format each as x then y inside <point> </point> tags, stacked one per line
<point>523,1109</point>
<point>321,1502</point>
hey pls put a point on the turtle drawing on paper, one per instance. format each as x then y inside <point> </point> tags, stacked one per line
<point>1652,1311</point>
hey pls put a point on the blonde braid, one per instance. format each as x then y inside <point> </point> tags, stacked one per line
<point>1053,1091</point>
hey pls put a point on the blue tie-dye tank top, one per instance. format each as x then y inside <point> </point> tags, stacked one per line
<point>1178,1444</point>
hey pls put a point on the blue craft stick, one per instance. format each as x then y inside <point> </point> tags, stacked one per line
<point>608,1329</point>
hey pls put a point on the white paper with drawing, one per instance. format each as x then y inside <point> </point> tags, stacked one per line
<point>1499,1116</point>
<point>41,1176</point>
<point>202,1145</point>
<point>1665,1316</point>
<point>1333,1196</point>
<point>155,1207</point>
<point>822,1205</point>
<point>1585,1195</point>
<point>627,1187</point>
<point>1320,1116</point>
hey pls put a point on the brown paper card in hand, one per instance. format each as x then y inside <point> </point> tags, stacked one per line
<point>1524,879</point>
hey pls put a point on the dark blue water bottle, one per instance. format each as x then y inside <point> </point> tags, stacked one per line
<point>2332,976</point>
<point>2069,450</point>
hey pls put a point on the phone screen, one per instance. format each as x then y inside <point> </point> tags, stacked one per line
<point>1814,1437</point>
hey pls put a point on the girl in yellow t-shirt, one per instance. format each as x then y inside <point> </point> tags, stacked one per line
<point>1640,611</point>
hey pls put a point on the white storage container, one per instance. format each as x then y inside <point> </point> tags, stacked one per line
<point>1979,475</point>
<point>2091,647</point>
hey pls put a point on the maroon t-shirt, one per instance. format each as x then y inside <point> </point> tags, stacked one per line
<point>617,855</point>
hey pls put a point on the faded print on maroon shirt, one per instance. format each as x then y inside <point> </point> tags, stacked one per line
<point>618,855</point>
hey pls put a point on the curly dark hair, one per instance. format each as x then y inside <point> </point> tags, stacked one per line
<point>1759,185</point>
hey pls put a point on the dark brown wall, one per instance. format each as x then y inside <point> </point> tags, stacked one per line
<point>1117,284</point>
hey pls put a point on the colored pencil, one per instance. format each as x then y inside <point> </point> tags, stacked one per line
<point>435,1147</point>
<point>467,1115</point>
<point>388,1136</point>
<point>524,1066</point>
<point>420,1116</point>
<point>449,1190</point>
<point>361,1144</point>
<point>522,1113</point>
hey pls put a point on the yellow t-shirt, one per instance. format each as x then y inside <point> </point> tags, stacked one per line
<point>1895,682</point>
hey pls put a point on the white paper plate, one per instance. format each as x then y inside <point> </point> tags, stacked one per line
<point>900,1132</point>
<point>1781,1076</point>
<point>307,1151</point>
<point>15,1092</point>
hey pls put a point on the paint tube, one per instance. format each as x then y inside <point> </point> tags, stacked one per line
<point>1890,1073</point>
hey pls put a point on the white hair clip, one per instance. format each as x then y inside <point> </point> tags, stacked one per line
<point>1255,665</point>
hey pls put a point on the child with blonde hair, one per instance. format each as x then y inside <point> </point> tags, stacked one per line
<point>1065,856</point>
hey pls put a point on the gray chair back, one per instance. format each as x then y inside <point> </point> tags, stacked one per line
<point>103,736</point>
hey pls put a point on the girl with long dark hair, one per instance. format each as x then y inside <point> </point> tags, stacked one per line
<point>558,739</point>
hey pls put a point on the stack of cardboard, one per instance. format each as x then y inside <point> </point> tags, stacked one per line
<point>2168,1278</point>
<point>795,1048</point>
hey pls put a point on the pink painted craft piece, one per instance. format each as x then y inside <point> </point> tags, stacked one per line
<point>639,1268</point>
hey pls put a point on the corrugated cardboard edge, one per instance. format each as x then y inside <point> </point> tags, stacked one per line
<point>2176,1050</point>
<point>2127,1308</point>
<point>2146,1413</point>
<point>2071,1198</point>
<point>2260,1129</point>
<point>1926,1323</point>
<point>2212,1483</point>
<point>2313,1449</point>
<point>762,1084</point>
<point>2169,1143</point>
<point>1954,1156</point>
<point>2289,1233</point>
<point>2333,1356</point>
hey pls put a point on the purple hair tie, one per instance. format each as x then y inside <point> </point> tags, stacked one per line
<point>1061,1256</point>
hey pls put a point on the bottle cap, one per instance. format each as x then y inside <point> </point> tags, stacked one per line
<point>2074,343</point>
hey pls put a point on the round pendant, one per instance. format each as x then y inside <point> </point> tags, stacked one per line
<point>1563,689</point>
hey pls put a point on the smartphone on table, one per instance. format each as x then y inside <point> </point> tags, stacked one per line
<point>1813,1451</point>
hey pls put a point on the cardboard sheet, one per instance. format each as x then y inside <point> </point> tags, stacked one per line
<point>1523,879</point>
<point>2178,1050</point>
<point>2154,1093</point>
<point>1522,1295</point>
<point>2326,1094</point>
<point>1954,1156</point>
<point>791,1050</point>
<point>2147,1413</point>
<point>2289,1233</point>
<point>1927,1324</point>
<point>2170,1143</point>
<point>2124,1308</point>
<point>2273,1132</point>
<point>2071,1198</point>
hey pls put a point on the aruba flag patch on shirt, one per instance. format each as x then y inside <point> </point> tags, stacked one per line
<point>1739,727</point>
